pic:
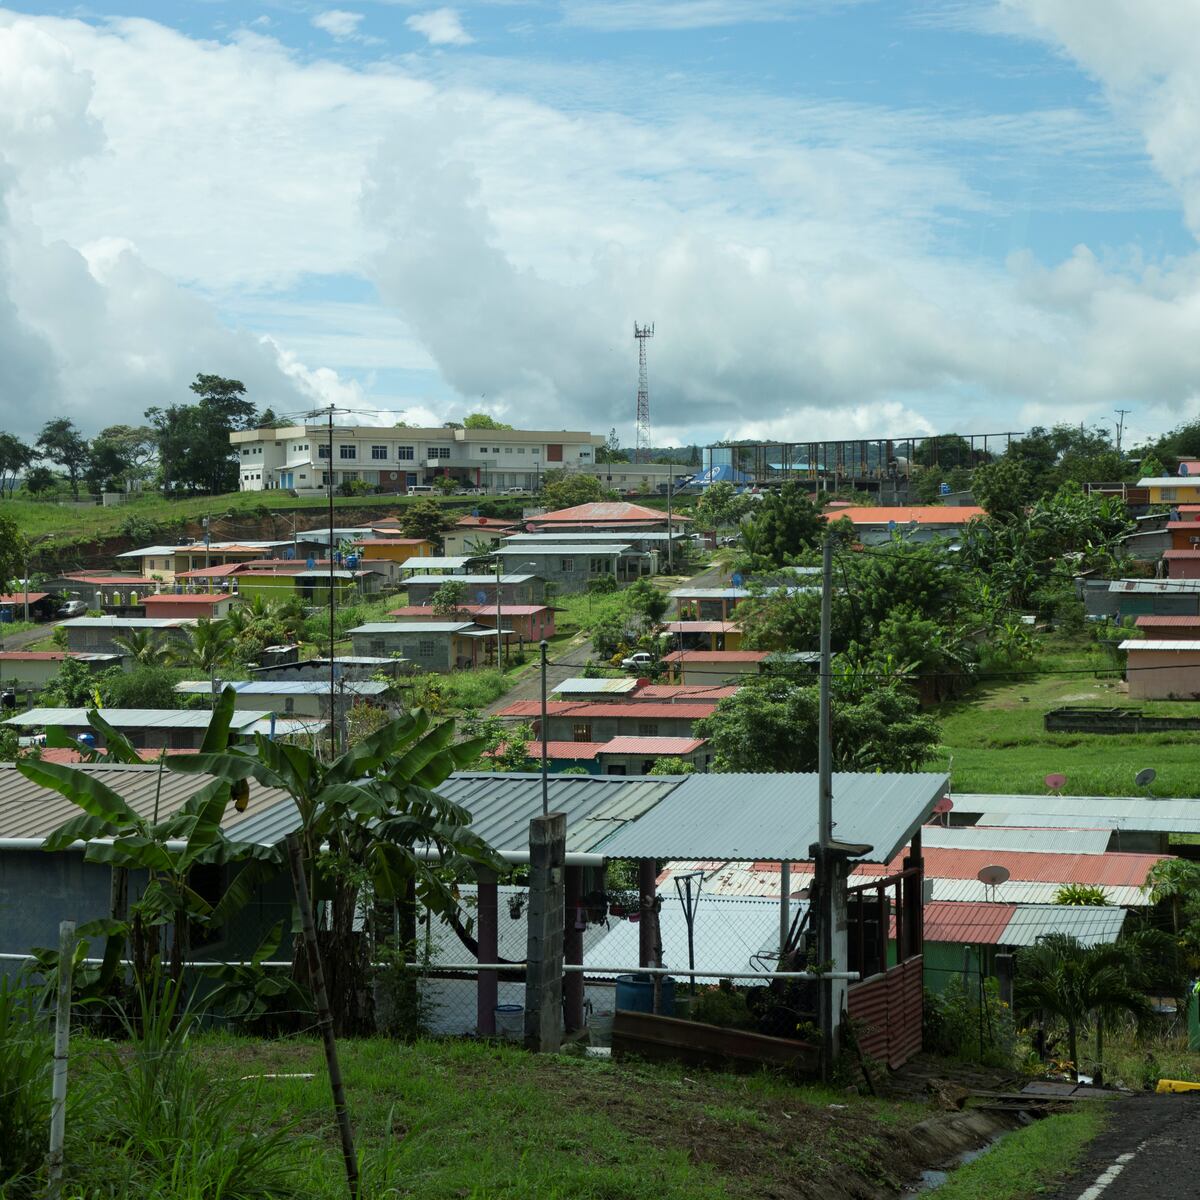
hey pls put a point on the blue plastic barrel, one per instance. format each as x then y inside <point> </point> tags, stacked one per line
<point>635,993</point>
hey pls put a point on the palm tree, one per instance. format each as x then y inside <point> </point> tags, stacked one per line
<point>1174,879</point>
<point>143,646</point>
<point>209,646</point>
<point>1075,983</point>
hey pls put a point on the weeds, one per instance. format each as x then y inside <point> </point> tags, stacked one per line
<point>25,1059</point>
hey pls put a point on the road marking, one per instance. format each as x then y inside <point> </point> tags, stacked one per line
<point>1105,1178</point>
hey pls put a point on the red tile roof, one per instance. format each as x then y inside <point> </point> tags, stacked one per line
<point>923,514</point>
<point>659,746</point>
<point>692,710</point>
<point>21,597</point>
<point>604,510</point>
<point>717,656</point>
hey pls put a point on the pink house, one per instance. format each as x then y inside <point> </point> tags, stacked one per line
<point>199,604</point>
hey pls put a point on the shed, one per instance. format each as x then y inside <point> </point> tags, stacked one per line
<point>28,670</point>
<point>434,645</point>
<point>301,698</point>
<point>1166,669</point>
<point>14,605</point>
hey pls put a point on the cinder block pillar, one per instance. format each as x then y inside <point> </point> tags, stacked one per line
<point>647,889</point>
<point>573,951</point>
<point>487,927</point>
<point>544,953</point>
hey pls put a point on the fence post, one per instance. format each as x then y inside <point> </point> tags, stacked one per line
<point>316,976</point>
<point>544,947</point>
<point>62,1039</point>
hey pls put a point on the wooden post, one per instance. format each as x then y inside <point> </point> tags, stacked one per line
<point>487,984</point>
<point>62,1040</point>
<point>316,976</point>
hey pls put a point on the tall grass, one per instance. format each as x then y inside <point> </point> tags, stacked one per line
<point>25,1060</point>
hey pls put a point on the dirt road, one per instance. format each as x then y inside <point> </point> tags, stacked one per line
<point>1150,1151</point>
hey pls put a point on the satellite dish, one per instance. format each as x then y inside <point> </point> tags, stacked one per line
<point>1183,468</point>
<point>1056,782</point>
<point>944,805</point>
<point>993,876</point>
<point>481,597</point>
<point>1146,777</point>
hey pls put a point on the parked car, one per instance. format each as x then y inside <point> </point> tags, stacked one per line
<point>514,491</point>
<point>73,608</point>
<point>638,661</point>
<point>472,491</point>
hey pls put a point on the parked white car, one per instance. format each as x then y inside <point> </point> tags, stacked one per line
<point>638,661</point>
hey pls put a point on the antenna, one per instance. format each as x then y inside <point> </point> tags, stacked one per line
<point>1056,783</point>
<point>993,877</point>
<point>641,452</point>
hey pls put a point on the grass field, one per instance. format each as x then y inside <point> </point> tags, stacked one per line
<point>474,1120</point>
<point>994,740</point>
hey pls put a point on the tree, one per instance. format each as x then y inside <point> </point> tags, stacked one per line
<point>648,601</point>
<point>63,445</point>
<point>771,725</point>
<point>1003,488</point>
<point>1176,880</point>
<point>561,489</point>
<point>13,548</point>
<point>73,686</point>
<point>1061,978</point>
<point>448,600</point>
<point>209,646</point>
<point>144,647</point>
<point>268,420</point>
<point>611,451</point>
<point>721,505</point>
<point>672,765</point>
<point>945,451</point>
<point>139,687</point>
<point>39,480</point>
<point>479,420</point>
<point>446,484</point>
<point>424,518</point>
<point>120,453</point>
<point>788,523</point>
<point>15,457</point>
<point>193,439</point>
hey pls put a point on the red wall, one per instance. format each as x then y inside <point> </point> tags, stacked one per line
<point>890,1009</point>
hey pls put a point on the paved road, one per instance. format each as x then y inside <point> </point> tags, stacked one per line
<point>1150,1151</point>
<point>18,641</point>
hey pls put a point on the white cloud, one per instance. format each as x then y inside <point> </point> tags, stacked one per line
<point>338,23</point>
<point>442,26</point>
<point>612,16</point>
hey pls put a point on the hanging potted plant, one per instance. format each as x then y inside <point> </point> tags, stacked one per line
<point>625,903</point>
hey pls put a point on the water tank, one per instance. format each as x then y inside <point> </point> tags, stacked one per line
<point>635,993</point>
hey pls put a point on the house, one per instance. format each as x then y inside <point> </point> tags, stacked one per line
<point>293,698</point>
<point>388,554</point>
<point>572,567</point>
<point>704,635</point>
<point>97,635</point>
<point>595,690</point>
<point>612,516</point>
<point>436,564</point>
<point>165,562</point>
<point>604,720</point>
<point>1165,628</point>
<point>618,756</point>
<point>707,603</point>
<point>203,604</point>
<point>154,728</point>
<point>1166,669</point>
<point>648,540</point>
<point>40,606</point>
<point>1149,597</point>
<point>917,523</point>
<point>721,666</point>
<point>83,585</point>
<point>1182,564</point>
<point>1185,534</point>
<point>301,458</point>
<point>1172,489</point>
<point>359,667</point>
<point>473,535</point>
<point>481,589</point>
<point>311,588</point>
<point>430,645</point>
<point>626,689</point>
<point>32,670</point>
<point>529,622</point>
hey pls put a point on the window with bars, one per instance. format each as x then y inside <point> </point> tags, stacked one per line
<point>407,453</point>
<point>426,648</point>
<point>345,451</point>
<point>647,729</point>
<point>379,452</point>
<point>581,731</point>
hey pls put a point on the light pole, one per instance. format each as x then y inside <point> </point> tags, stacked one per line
<point>295,543</point>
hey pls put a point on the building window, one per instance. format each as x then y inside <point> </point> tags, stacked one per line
<point>405,452</point>
<point>482,449</point>
<point>347,451</point>
<point>495,449</point>
<point>581,731</point>
<point>1169,494</point>
<point>536,450</point>
<point>507,449</point>
<point>647,729</point>
<point>598,566</point>
<point>289,704</point>
<point>439,451</point>
<point>324,478</point>
<point>379,452</point>
<point>585,454</point>
<point>322,451</point>
<point>566,564</point>
<point>246,452</point>
<point>349,476</point>
<point>520,449</point>
<point>426,648</point>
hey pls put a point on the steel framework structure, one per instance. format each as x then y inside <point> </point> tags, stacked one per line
<point>642,441</point>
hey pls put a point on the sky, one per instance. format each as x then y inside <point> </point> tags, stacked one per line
<point>845,218</point>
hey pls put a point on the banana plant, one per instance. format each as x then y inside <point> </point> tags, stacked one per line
<point>372,827</point>
<point>168,850</point>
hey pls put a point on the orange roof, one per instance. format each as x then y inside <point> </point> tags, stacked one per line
<point>604,510</point>
<point>555,750</point>
<point>924,514</point>
<point>21,597</point>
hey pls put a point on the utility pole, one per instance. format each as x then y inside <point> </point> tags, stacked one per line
<point>824,864</point>
<point>670,514</point>
<point>499,617</point>
<point>1121,414</point>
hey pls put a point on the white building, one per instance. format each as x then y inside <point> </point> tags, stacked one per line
<point>300,457</point>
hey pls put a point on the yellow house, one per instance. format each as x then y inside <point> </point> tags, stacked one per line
<point>388,554</point>
<point>1172,489</point>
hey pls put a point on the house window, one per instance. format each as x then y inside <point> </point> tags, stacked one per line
<point>439,451</point>
<point>349,476</point>
<point>482,449</point>
<point>303,476</point>
<point>520,449</point>
<point>507,449</point>
<point>536,450</point>
<point>322,451</point>
<point>289,704</point>
<point>405,452</point>
<point>347,451</point>
<point>426,648</point>
<point>379,452</point>
<point>647,729</point>
<point>566,564</point>
<point>246,452</point>
<point>1170,493</point>
<point>581,731</point>
<point>377,650</point>
<point>597,566</point>
<point>495,449</point>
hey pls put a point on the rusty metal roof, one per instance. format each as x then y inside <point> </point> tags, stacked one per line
<point>1118,869</point>
<point>652,746</point>
<point>961,921</point>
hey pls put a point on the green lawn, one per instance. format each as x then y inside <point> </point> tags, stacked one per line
<point>994,740</point>
<point>463,1119</point>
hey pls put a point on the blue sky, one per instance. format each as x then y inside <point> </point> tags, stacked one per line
<point>845,218</point>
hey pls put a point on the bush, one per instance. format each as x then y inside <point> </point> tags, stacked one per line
<point>25,1059</point>
<point>955,1027</point>
<point>723,1005</point>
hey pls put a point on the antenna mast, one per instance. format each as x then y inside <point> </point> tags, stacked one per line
<point>642,443</point>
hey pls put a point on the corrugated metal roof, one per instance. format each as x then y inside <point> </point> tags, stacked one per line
<point>959,921</point>
<point>21,597</point>
<point>435,563</point>
<point>414,627</point>
<point>548,535</point>
<point>438,580</point>
<point>988,837</point>
<point>655,746</point>
<point>128,622</point>
<point>1155,622</point>
<point>929,514</point>
<point>685,691</point>
<point>717,656</point>
<point>1083,812</point>
<point>701,627</point>
<point>559,751</point>
<point>577,685</point>
<point>690,710</point>
<point>1154,585</point>
<point>1118,869</point>
<point>1168,481</point>
<point>133,718</point>
<point>30,811</point>
<point>607,510</point>
<point>1182,645</point>
<point>728,935</point>
<point>550,548</point>
<point>1023,892</point>
<point>168,598</point>
<point>503,805</point>
<point>753,817</point>
<point>290,687</point>
<point>1185,555</point>
<point>1091,925</point>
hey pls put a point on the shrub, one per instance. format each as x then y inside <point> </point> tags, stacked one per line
<point>956,1027</point>
<point>1081,895</point>
<point>723,1005</point>
<point>25,1059</point>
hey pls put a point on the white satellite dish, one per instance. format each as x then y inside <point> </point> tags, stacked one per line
<point>993,877</point>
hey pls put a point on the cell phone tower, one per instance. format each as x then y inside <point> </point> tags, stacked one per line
<point>641,451</point>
